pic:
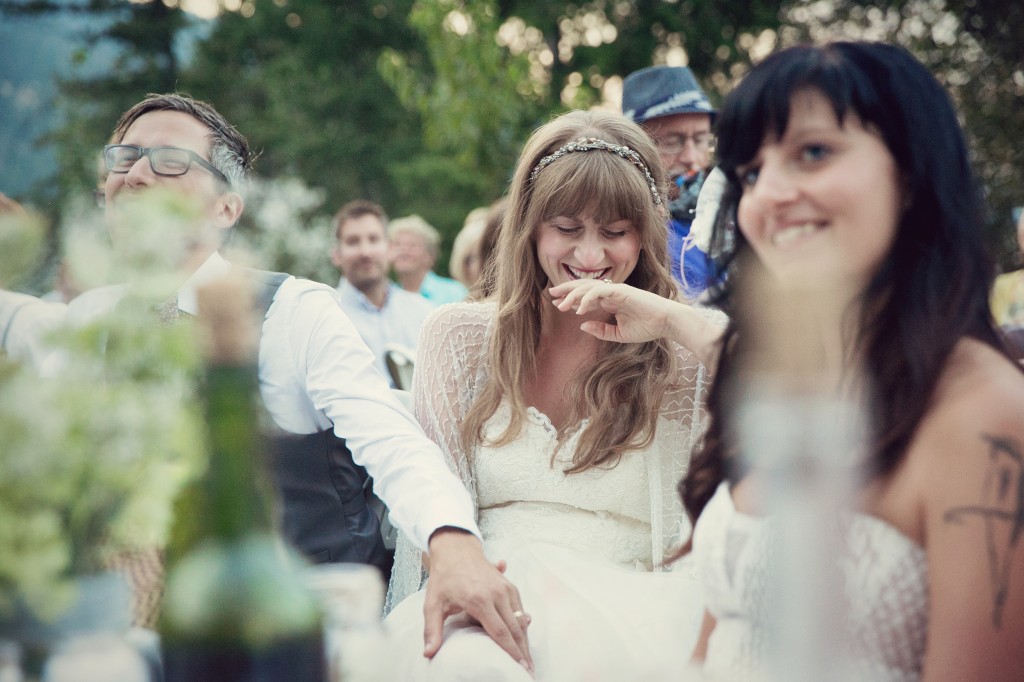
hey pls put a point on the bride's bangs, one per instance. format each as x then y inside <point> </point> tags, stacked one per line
<point>602,184</point>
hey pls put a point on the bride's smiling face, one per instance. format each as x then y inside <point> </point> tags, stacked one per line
<point>579,247</point>
<point>824,201</point>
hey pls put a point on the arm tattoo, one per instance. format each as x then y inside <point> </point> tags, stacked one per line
<point>1002,512</point>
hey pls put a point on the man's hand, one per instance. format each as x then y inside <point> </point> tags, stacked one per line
<point>462,580</point>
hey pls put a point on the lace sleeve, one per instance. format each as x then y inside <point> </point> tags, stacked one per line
<point>448,372</point>
<point>680,430</point>
<point>447,375</point>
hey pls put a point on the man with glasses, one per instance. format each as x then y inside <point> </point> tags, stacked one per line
<point>318,381</point>
<point>672,107</point>
<point>167,161</point>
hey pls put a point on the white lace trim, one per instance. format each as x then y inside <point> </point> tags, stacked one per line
<point>886,583</point>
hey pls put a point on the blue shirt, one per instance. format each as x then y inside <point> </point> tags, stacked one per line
<point>398,321</point>
<point>440,290</point>
<point>691,268</point>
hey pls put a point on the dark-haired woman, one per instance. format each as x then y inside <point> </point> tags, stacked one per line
<point>848,171</point>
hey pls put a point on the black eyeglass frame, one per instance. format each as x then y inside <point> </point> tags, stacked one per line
<point>148,151</point>
<point>701,141</point>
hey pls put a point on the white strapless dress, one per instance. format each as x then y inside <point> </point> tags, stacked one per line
<point>578,548</point>
<point>886,581</point>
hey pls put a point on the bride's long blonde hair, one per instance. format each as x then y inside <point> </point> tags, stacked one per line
<point>622,391</point>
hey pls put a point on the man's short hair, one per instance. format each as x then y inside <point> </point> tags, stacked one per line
<point>229,150</point>
<point>414,224</point>
<point>357,208</point>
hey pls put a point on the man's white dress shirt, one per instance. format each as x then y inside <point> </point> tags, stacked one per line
<point>397,321</point>
<point>315,372</point>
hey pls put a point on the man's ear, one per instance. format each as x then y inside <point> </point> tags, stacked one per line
<point>228,209</point>
<point>335,256</point>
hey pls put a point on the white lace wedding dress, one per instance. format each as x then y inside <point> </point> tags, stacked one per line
<point>886,582</point>
<point>585,550</point>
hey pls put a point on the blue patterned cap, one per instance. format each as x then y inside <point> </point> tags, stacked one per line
<point>663,91</point>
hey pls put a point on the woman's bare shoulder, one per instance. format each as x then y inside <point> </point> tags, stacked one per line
<point>977,406</point>
<point>980,390</point>
<point>970,453</point>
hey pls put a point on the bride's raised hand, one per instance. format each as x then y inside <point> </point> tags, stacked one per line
<point>638,315</point>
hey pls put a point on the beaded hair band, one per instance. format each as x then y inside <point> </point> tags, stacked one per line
<point>585,144</point>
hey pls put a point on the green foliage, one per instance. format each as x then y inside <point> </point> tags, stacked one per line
<point>145,35</point>
<point>602,39</point>
<point>299,79</point>
<point>422,105</point>
<point>477,102</point>
<point>285,228</point>
<point>94,452</point>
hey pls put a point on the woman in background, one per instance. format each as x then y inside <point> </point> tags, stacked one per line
<point>465,262</point>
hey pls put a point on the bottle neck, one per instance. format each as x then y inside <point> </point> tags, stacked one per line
<point>234,489</point>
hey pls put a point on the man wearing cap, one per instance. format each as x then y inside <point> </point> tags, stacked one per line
<point>672,107</point>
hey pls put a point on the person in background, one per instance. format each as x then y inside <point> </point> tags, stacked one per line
<point>668,102</point>
<point>930,553</point>
<point>484,286</point>
<point>415,245</point>
<point>465,263</point>
<point>570,446</point>
<point>1008,290</point>
<point>381,311</point>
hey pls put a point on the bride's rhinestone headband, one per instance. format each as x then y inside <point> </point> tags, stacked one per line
<point>586,144</point>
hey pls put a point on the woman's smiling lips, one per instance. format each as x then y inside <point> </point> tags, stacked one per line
<point>576,273</point>
<point>791,233</point>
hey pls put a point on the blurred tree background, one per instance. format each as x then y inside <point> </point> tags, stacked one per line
<point>422,105</point>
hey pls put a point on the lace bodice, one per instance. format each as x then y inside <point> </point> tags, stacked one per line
<point>602,512</point>
<point>886,579</point>
<point>451,370</point>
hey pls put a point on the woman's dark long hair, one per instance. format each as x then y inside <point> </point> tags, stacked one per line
<point>931,289</point>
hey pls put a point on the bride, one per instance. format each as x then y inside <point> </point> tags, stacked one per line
<point>571,446</point>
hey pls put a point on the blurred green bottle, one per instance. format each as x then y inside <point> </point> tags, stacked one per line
<point>235,607</point>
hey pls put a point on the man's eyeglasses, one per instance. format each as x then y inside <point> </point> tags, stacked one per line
<point>673,144</point>
<point>171,161</point>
